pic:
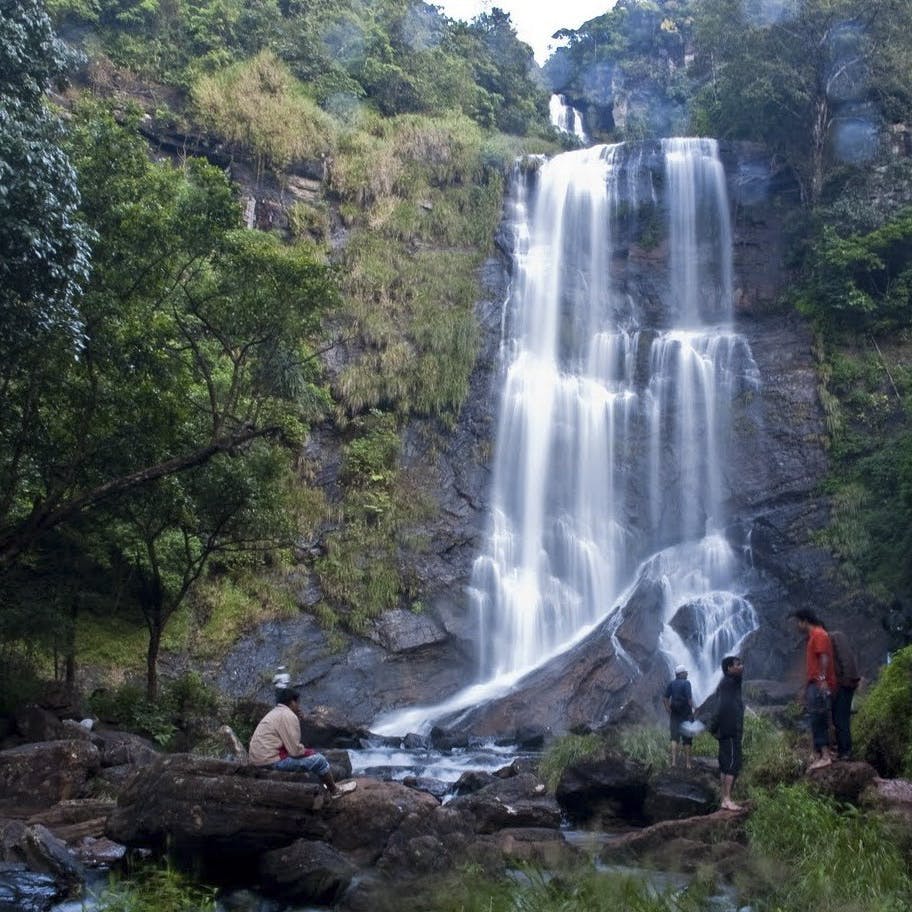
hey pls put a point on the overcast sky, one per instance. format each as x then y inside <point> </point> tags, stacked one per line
<point>535,20</point>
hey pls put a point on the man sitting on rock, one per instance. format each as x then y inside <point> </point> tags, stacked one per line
<point>276,743</point>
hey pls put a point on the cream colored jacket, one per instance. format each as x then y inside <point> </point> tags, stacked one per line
<point>280,727</point>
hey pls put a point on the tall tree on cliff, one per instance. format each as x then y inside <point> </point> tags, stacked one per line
<point>812,79</point>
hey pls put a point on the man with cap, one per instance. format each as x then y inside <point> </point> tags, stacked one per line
<point>678,700</point>
<point>276,743</point>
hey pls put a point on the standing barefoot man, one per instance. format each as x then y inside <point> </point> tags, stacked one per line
<point>820,683</point>
<point>729,727</point>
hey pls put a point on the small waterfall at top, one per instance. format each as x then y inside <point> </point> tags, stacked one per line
<point>610,463</point>
<point>566,118</point>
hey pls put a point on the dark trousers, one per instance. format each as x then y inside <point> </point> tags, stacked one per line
<point>842,719</point>
<point>818,709</point>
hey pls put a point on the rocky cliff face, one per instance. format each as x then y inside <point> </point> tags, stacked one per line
<point>777,460</point>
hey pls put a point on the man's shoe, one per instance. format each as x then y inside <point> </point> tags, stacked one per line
<point>343,788</point>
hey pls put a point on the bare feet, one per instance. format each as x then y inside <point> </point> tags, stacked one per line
<point>731,806</point>
<point>820,763</point>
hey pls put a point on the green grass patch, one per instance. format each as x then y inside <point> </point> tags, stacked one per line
<point>155,888</point>
<point>646,744</point>
<point>561,752</point>
<point>227,607</point>
<point>579,890</point>
<point>822,856</point>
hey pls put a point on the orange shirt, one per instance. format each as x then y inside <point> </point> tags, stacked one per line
<point>818,644</point>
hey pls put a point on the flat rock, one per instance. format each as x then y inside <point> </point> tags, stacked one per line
<point>519,802</point>
<point>843,780</point>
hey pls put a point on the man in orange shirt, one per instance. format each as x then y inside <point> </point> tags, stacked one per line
<point>820,683</point>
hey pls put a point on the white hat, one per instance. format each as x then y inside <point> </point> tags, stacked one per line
<point>680,670</point>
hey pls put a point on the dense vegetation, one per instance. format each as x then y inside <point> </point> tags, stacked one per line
<point>162,364</point>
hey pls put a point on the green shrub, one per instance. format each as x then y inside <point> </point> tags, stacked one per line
<point>883,724</point>
<point>824,856</point>
<point>566,750</point>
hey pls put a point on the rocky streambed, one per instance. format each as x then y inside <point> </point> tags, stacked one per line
<point>80,802</point>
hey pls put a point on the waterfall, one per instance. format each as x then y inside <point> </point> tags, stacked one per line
<point>566,118</point>
<point>611,448</point>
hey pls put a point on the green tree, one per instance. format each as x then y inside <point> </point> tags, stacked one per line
<point>44,250</point>
<point>798,80</point>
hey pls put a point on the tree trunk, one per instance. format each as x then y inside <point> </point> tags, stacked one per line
<point>819,136</point>
<point>155,635</point>
<point>71,648</point>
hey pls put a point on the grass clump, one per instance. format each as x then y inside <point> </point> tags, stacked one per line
<point>646,744</point>
<point>582,890</point>
<point>156,889</point>
<point>260,108</point>
<point>770,754</point>
<point>823,856</point>
<point>561,752</point>
<point>228,606</point>
<point>883,725</point>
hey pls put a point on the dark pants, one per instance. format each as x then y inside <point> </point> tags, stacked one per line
<point>842,719</point>
<point>818,709</point>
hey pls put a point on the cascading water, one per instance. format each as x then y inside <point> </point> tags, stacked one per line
<point>610,464</point>
<point>566,118</point>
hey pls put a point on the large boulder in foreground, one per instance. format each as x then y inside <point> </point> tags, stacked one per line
<point>607,787</point>
<point>216,806</point>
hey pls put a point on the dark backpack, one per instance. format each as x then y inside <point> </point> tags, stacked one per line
<point>679,701</point>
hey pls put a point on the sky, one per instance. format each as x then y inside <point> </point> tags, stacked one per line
<point>535,21</point>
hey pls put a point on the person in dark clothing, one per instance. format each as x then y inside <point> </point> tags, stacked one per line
<point>678,700</point>
<point>847,679</point>
<point>728,727</point>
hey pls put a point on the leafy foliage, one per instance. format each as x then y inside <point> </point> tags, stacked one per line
<point>44,250</point>
<point>883,725</point>
<point>808,78</point>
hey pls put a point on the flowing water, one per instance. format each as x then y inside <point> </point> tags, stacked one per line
<point>566,118</point>
<point>611,461</point>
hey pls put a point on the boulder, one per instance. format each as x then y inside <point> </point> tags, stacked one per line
<point>543,848</point>
<point>323,727</point>
<point>98,852</point>
<point>414,742</point>
<point>518,802</point>
<point>673,797</point>
<point>612,786</point>
<point>41,774</point>
<point>306,871</point>
<point>435,787</point>
<point>362,823</point>
<point>652,841</point>
<point>34,723</point>
<point>117,748</point>
<point>844,780</point>
<point>74,819</point>
<point>22,890</point>
<point>339,763</point>
<point>36,847</point>
<point>215,806</point>
<point>472,781</point>
<point>890,796</point>
<point>401,630</point>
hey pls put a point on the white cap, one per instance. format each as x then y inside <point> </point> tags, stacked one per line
<point>680,670</point>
